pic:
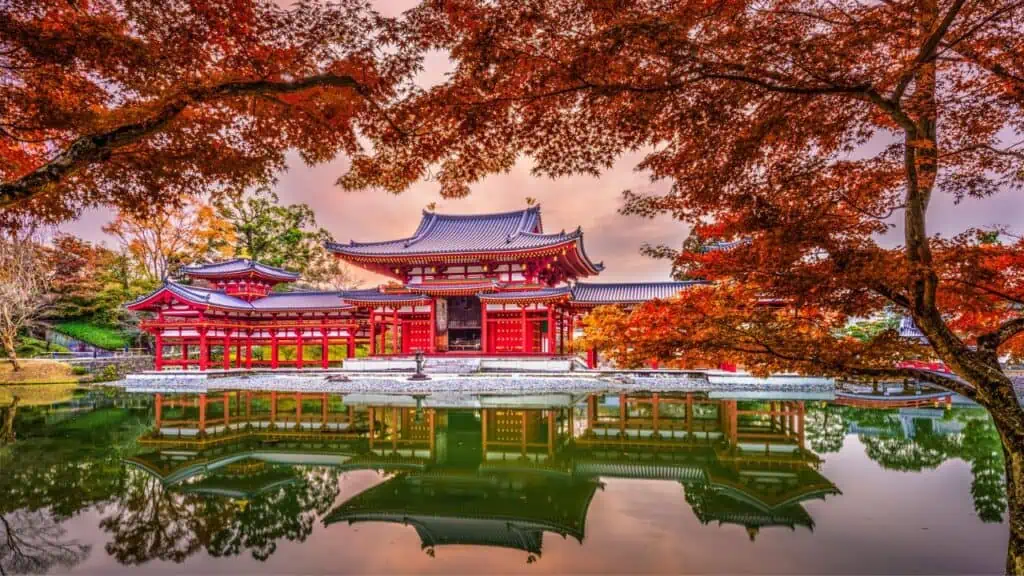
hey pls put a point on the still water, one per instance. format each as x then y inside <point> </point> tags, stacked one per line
<point>244,482</point>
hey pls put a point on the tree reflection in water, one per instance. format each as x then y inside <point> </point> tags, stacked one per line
<point>151,521</point>
<point>913,440</point>
<point>34,542</point>
<point>51,474</point>
<point>249,494</point>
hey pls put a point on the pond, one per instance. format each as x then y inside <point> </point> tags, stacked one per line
<point>280,482</point>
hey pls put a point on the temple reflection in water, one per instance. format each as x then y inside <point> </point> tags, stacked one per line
<point>492,470</point>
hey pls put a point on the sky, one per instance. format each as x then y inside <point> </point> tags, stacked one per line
<point>589,202</point>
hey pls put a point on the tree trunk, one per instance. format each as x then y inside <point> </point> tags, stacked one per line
<point>1015,502</point>
<point>7,422</point>
<point>12,354</point>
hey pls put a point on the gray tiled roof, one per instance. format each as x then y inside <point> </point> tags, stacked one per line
<point>722,246</point>
<point>375,295</point>
<point>526,294</point>
<point>235,267</point>
<point>277,301</point>
<point>627,292</point>
<point>908,329</point>
<point>207,296</point>
<point>432,287</point>
<point>301,301</point>
<point>448,233</point>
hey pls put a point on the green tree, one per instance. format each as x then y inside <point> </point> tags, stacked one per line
<point>151,521</point>
<point>284,236</point>
<point>267,232</point>
<point>981,447</point>
<point>826,428</point>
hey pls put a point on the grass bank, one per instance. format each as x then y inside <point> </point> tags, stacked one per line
<point>36,394</point>
<point>37,371</point>
<point>99,336</point>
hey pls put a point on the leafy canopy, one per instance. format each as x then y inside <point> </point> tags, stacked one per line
<point>138,104</point>
<point>803,127</point>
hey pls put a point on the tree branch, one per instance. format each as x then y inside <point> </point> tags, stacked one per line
<point>927,51</point>
<point>90,148</point>
<point>993,340</point>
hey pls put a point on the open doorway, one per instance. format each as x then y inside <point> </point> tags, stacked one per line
<point>463,323</point>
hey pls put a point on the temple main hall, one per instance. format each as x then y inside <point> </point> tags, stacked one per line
<point>470,285</point>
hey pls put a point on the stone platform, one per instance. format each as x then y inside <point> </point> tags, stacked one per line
<point>465,364</point>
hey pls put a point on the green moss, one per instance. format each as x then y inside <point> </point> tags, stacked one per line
<point>99,336</point>
<point>29,347</point>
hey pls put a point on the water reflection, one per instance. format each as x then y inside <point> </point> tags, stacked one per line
<point>237,472</point>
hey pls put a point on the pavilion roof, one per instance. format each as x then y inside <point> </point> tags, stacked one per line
<point>281,301</point>
<point>446,234</point>
<point>555,294</point>
<point>450,505</point>
<point>301,300</point>
<point>374,296</point>
<point>724,246</point>
<point>456,287</point>
<point>239,267</point>
<point>627,292</point>
<point>198,295</point>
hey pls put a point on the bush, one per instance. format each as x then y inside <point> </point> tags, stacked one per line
<point>108,374</point>
<point>29,347</point>
<point>100,336</point>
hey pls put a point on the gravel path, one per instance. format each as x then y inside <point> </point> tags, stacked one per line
<point>391,383</point>
<point>483,383</point>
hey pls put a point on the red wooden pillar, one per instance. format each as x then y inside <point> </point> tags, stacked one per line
<point>800,420</point>
<point>238,353</point>
<point>551,329</point>
<point>432,345</point>
<point>484,339</point>
<point>203,350</point>
<point>248,349</point>
<point>298,345</point>
<point>273,348</point>
<point>373,332</point>
<point>522,329</point>
<point>350,347</point>
<point>732,419</point>
<point>394,332</point>
<point>592,358</point>
<point>298,409</point>
<point>273,407</point>
<point>159,408</point>
<point>158,352</point>
<point>561,331</point>
<point>227,349</point>
<point>572,328</point>
<point>323,349</point>
<point>227,409</point>
<point>202,413</point>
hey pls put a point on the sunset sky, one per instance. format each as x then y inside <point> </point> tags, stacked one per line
<point>585,201</point>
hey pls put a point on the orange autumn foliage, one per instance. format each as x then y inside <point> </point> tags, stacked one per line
<point>137,104</point>
<point>805,129</point>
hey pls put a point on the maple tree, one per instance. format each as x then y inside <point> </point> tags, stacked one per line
<point>169,236</point>
<point>799,130</point>
<point>25,276</point>
<point>138,104</point>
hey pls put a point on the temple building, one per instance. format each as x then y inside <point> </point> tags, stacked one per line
<point>472,285</point>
